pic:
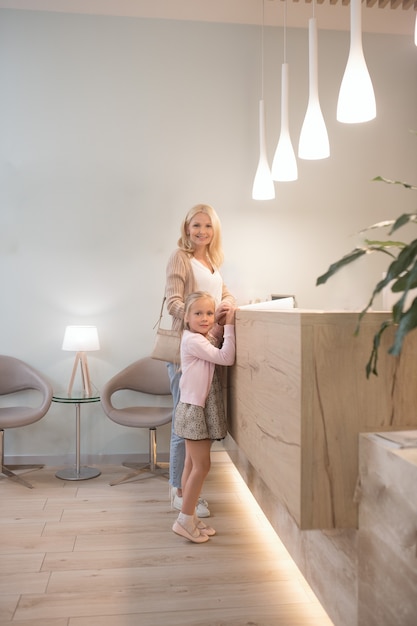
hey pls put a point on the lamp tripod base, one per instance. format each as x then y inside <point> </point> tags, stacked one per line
<point>81,359</point>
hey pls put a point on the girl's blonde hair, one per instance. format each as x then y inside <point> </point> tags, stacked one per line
<point>191,299</point>
<point>214,249</point>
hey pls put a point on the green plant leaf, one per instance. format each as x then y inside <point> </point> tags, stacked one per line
<point>408,323</point>
<point>396,269</point>
<point>382,245</point>
<point>407,281</point>
<point>398,309</point>
<point>380,285</point>
<point>383,224</point>
<point>404,219</point>
<point>395,224</point>
<point>371,366</point>
<point>371,246</point>
<point>401,264</point>
<point>393,182</point>
<point>335,267</point>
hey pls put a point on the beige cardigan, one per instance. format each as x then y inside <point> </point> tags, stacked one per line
<point>180,283</point>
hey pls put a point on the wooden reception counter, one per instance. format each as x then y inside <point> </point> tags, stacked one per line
<point>299,397</point>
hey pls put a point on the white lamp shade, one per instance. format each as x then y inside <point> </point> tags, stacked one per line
<point>314,140</point>
<point>356,101</point>
<point>284,165</point>
<point>263,185</point>
<point>81,339</point>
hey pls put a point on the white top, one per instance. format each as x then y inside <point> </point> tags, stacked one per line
<point>208,281</point>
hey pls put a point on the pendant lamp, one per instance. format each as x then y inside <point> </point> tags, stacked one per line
<point>415,32</point>
<point>263,185</point>
<point>284,165</point>
<point>356,101</point>
<point>314,140</point>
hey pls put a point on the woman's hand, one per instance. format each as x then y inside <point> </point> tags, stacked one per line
<point>230,315</point>
<point>221,312</point>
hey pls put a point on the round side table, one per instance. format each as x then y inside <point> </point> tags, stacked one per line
<point>77,398</point>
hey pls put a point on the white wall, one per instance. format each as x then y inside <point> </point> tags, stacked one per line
<point>112,128</point>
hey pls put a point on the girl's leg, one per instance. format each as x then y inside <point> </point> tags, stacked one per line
<point>202,507</point>
<point>198,466</point>
<point>187,468</point>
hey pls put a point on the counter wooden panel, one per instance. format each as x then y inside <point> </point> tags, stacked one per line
<point>387,559</point>
<point>299,397</point>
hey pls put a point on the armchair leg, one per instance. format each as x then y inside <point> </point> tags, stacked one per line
<point>152,467</point>
<point>155,468</point>
<point>7,471</point>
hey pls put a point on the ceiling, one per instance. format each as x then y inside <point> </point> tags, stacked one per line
<point>378,16</point>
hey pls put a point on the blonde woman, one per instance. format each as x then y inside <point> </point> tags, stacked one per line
<point>194,266</point>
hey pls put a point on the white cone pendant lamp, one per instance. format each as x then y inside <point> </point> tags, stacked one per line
<point>284,165</point>
<point>356,101</point>
<point>314,140</point>
<point>263,185</point>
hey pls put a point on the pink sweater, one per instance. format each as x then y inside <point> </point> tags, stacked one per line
<point>198,358</point>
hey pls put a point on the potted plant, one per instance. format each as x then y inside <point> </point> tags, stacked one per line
<point>401,275</point>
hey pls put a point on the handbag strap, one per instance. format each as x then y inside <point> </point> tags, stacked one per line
<point>158,323</point>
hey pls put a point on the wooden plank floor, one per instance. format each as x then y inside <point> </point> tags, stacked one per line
<point>87,554</point>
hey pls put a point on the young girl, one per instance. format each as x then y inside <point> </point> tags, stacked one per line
<point>199,417</point>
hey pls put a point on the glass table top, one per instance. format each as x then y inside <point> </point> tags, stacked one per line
<point>76,396</point>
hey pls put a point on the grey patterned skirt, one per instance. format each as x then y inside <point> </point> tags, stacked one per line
<point>195,422</point>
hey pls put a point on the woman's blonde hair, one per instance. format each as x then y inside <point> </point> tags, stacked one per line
<point>214,249</point>
<point>191,299</point>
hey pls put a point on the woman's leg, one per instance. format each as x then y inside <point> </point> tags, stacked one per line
<point>177,446</point>
<point>198,466</point>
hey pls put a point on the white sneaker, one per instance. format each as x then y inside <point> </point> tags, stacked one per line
<point>201,509</point>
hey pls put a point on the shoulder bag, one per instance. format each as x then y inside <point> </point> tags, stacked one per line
<point>167,342</point>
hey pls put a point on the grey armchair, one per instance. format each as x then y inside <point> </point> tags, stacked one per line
<point>146,376</point>
<point>17,376</point>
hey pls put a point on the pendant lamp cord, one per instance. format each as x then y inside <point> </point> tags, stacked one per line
<point>262,50</point>
<point>285,31</point>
